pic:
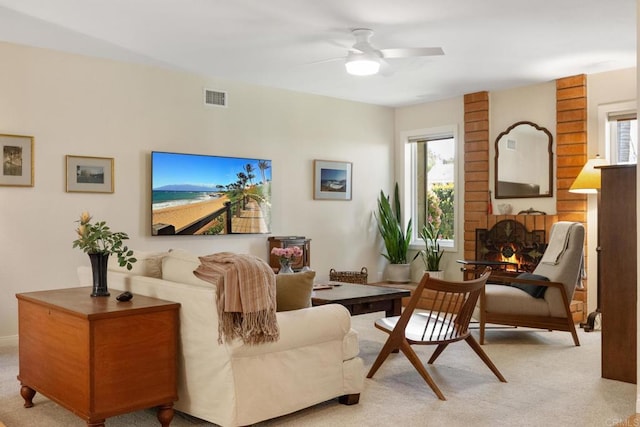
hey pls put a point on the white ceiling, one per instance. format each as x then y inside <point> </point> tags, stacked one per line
<point>488,44</point>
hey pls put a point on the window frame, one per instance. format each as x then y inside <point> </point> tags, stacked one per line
<point>613,118</point>
<point>604,112</point>
<point>409,179</point>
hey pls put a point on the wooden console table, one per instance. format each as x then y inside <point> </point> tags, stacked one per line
<point>96,356</point>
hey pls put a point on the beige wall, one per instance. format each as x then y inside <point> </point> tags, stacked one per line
<point>91,107</point>
<point>604,92</point>
<point>534,103</point>
<point>77,105</point>
<point>412,121</point>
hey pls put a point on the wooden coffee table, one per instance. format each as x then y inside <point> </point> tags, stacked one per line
<point>361,299</point>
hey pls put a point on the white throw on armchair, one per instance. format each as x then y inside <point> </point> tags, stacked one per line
<point>232,384</point>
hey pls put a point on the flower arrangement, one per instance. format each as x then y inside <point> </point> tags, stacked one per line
<point>97,238</point>
<point>287,255</point>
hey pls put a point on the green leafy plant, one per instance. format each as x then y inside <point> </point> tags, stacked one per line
<point>99,239</point>
<point>432,254</point>
<point>389,217</point>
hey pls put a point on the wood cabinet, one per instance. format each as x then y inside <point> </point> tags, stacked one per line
<point>617,261</point>
<point>96,356</point>
<point>287,242</point>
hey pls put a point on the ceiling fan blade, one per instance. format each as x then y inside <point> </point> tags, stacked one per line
<point>411,51</point>
<point>323,61</point>
<point>386,69</point>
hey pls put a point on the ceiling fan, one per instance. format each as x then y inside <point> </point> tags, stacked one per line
<point>364,59</point>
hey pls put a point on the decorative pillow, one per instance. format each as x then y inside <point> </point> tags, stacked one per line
<point>293,291</point>
<point>148,264</point>
<point>535,291</point>
<point>178,266</point>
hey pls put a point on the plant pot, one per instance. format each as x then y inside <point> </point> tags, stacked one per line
<point>439,274</point>
<point>399,273</point>
<point>285,267</point>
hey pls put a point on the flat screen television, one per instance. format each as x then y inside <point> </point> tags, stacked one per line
<point>194,194</point>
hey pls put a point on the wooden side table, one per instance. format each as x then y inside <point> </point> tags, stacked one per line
<point>98,357</point>
<point>288,242</point>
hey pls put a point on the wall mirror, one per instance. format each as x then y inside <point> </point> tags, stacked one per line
<point>524,162</point>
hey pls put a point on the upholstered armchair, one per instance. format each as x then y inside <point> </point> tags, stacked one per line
<point>540,299</point>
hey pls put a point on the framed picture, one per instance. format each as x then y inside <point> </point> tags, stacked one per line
<point>17,160</point>
<point>331,180</point>
<point>89,174</point>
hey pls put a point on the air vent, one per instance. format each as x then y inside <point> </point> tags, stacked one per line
<point>215,98</point>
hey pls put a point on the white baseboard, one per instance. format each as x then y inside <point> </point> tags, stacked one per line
<point>9,341</point>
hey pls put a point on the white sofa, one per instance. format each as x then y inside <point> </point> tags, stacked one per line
<point>315,359</point>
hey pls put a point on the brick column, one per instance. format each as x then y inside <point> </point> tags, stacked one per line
<point>476,167</point>
<point>571,147</point>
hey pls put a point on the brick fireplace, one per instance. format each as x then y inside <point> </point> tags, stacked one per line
<point>571,154</point>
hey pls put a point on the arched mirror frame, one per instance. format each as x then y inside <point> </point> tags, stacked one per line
<point>496,193</point>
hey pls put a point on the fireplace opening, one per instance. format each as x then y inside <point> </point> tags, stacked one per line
<point>509,242</point>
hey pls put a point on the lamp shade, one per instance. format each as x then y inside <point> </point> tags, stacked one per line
<point>588,180</point>
<point>362,64</point>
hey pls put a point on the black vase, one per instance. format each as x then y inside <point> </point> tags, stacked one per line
<point>99,264</point>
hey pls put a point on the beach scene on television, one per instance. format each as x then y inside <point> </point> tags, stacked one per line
<point>209,195</point>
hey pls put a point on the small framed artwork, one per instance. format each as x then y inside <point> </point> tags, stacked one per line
<point>17,160</point>
<point>89,174</point>
<point>331,180</point>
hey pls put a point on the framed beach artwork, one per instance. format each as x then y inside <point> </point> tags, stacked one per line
<point>331,180</point>
<point>89,174</point>
<point>197,194</point>
<point>17,160</point>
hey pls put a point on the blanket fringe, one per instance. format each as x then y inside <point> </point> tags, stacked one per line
<point>252,328</point>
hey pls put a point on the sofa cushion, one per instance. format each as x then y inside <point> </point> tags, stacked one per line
<point>510,300</point>
<point>293,291</point>
<point>178,266</point>
<point>148,264</point>
<point>535,291</point>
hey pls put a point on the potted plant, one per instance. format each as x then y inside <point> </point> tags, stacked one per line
<point>431,254</point>
<point>98,241</point>
<point>396,240</point>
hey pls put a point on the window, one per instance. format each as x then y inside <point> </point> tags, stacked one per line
<point>623,137</point>
<point>430,160</point>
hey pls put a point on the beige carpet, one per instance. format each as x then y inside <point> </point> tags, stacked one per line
<point>551,383</point>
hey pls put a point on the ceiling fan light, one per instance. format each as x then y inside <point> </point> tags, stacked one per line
<point>362,67</point>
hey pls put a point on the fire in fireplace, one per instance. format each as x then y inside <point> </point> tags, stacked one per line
<point>510,241</point>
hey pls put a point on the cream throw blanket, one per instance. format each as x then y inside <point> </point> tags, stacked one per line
<point>246,292</point>
<point>558,242</point>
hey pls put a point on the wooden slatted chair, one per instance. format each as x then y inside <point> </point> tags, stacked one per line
<point>446,323</point>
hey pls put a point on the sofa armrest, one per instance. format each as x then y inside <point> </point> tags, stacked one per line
<point>300,328</point>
